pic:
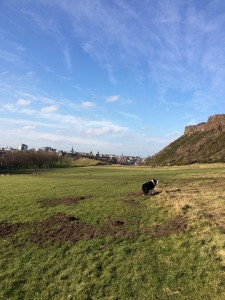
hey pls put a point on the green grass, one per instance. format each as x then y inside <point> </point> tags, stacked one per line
<point>86,162</point>
<point>188,265</point>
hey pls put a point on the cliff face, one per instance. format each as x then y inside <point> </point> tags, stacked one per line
<point>216,122</point>
<point>202,143</point>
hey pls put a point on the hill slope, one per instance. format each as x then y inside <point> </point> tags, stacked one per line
<point>203,143</point>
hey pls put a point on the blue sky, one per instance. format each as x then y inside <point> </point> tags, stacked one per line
<point>114,76</point>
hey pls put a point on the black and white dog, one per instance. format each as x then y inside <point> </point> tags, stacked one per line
<point>149,186</point>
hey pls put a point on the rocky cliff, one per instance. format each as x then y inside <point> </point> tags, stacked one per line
<point>202,143</point>
<point>216,122</point>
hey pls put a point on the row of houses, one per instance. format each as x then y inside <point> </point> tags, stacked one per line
<point>107,158</point>
<point>112,158</point>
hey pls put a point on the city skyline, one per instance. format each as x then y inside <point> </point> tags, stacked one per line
<point>25,147</point>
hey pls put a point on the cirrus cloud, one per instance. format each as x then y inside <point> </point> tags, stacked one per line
<point>22,102</point>
<point>88,104</point>
<point>49,109</point>
<point>113,98</point>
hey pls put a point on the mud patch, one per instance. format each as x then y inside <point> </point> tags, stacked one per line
<point>118,228</point>
<point>7,228</point>
<point>174,226</point>
<point>62,201</point>
<point>62,228</point>
<point>117,223</point>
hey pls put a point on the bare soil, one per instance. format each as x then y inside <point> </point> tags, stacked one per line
<point>218,219</point>
<point>63,228</point>
<point>174,226</point>
<point>7,228</point>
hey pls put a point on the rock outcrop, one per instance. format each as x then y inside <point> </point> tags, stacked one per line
<point>216,122</point>
<point>202,143</point>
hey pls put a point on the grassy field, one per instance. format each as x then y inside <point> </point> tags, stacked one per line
<point>88,233</point>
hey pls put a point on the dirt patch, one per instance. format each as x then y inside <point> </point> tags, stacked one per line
<point>218,219</point>
<point>174,226</point>
<point>7,228</point>
<point>62,228</point>
<point>221,226</point>
<point>117,223</point>
<point>186,208</point>
<point>217,216</point>
<point>173,191</point>
<point>62,201</point>
<point>117,228</point>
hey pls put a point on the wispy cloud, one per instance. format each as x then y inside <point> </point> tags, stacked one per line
<point>68,123</point>
<point>49,109</point>
<point>67,58</point>
<point>45,22</point>
<point>10,57</point>
<point>88,104</point>
<point>23,102</point>
<point>185,40</point>
<point>28,127</point>
<point>113,98</point>
<point>130,116</point>
<point>9,107</point>
<point>111,75</point>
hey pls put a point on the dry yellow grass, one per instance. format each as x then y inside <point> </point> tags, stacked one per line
<point>201,197</point>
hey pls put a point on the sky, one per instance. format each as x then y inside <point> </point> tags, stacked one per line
<point>114,76</point>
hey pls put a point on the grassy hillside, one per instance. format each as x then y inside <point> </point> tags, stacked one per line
<point>86,162</point>
<point>88,233</point>
<point>198,147</point>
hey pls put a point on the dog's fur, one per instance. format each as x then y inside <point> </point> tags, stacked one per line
<point>149,186</point>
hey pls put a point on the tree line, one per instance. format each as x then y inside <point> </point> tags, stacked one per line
<point>11,160</point>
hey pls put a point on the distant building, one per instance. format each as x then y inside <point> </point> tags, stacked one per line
<point>48,149</point>
<point>23,147</point>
